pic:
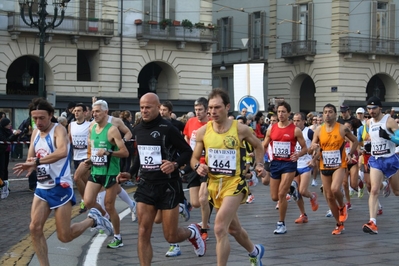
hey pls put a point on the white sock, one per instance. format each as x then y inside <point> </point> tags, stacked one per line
<point>118,236</point>
<point>373,220</point>
<point>254,252</point>
<point>125,197</point>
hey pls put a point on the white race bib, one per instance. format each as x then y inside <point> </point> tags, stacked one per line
<point>281,149</point>
<point>43,174</point>
<point>98,160</point>
<point>332,159</point>
<point>150,157</point>
<point>380,147</point>
<point>79,143</point>
<point>222,161</point>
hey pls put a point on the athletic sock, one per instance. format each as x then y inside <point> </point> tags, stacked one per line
<point>254,252</point>
<point>125,197</point>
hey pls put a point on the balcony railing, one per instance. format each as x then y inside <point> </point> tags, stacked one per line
<point>298,48</point>
<point>371,46</point>
<point>175,33</point>
<point>70,26</point>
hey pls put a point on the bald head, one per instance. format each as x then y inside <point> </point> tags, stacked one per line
<point>149,106</point>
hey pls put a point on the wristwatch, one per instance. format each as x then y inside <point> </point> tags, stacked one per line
<point>175,165</point>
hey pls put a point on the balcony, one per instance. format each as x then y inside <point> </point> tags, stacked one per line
<point>75,27</point>
<point>179,34</point>
<point>369,46</point>
<point>305,48</point>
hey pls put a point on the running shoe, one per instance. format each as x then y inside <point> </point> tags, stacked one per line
<point>204,234</point>
<point>348,206</point>
<point>100,222</point>
<point>174,251</point>
<point>5,190</point>
<point>197,241</point>
<point>257,260</point>
<point>115,243</point>
<point>276,206</point>
<point>321,188</point>
<point>288,197</point>
<point>83,208</point>
<point>314,183</point>
<point>329,213</point>
<point>250,199</point>
<point>280,229</point>
<point>338,229</point>
<point>351,192</point>
<point>370,228</point>
<point>360,192</point>
<point>185,213</point>
<point>208,226</point>
<point>133,210</point>
<point>386,189</point>
<point>128,184</point>
<point>343,214</point>
<point>379,212</point>
<point>294,190</point>
<point>303,219</point>
<point>313,202</point>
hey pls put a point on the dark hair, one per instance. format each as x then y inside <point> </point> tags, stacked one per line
<point>329,105</point>
<point>285,105</point>
<point>40,104</point>
<point>84,108</point>
<point>202,101</point>
<point>259,114</point>
<point>243,118</point>
<point>303,116</point>
<point>168,105</point>
<point>220,92</point>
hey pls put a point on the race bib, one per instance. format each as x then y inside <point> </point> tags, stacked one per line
<point>222,161</point>
<point>43,174</point>
<point>98,161</point>
<point>192,139</point>
<point>150,157</point>
<point>332,159</point>
<point>79,143</point>
<point>380,148</point>
<point>281,149</point>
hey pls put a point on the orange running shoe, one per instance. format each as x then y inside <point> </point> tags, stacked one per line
<point>343,214</point>
<point>370,228</point>
<point>204,235</point>
<point>314,202</point>
<point>302,219</point>
<point>338,229</point>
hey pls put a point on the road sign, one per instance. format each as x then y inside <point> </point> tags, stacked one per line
<point>250,103</point>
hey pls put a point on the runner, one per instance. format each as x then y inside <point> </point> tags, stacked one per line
<point>221,138</point>
<point>330,138</point>
<point>48,155</point>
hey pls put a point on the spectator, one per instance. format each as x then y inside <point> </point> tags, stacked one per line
<point>125,163</point>
<point>68,113</point>
<point>63,121</point>
<point>259,119</point>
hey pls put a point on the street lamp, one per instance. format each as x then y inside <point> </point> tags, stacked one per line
<point>42,25</point>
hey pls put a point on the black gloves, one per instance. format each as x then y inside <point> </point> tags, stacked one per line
<point>383,134</point>
<point>367,147</point>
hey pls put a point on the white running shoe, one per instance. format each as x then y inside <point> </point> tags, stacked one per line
<point>280,229</point>
<point>101,222</point>
<point>5,190</point>
<point>329,213</point>
<point>174,251</point>
<point>314,183</point>
<point>197,241</point>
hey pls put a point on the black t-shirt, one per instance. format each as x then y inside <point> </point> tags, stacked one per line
<point>179,125</point>
<point>158,140</point>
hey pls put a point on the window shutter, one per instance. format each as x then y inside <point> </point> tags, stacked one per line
<point>310,21</point>
<point>230,32</point>
<point>392,23</point>
<point>147,10</point>
<point>373,26</point>
<point>219,35</point>
<point>262,34</point>
<point>250,36</point>
<point>172,9</point>
<point>295,16</point>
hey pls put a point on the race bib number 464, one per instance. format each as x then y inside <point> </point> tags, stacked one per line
<point>222,161</point>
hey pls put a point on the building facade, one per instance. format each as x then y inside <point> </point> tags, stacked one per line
<point>114,50</point>
<point>319,52</point>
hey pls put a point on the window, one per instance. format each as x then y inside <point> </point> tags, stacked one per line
<point>87,10</point>
<point>86,70</point>
<point>256,40</point>
<point>303,30</point>
<point>158,10</point>
<point>225,26</point>
<point>382,26</point>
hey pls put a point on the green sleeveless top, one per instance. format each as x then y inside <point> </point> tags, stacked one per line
<point>103,165</point>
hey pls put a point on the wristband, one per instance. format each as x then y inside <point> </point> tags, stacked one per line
<point>37,161</point>
<point>196,166</point>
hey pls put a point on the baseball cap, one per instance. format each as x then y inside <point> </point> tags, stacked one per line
<point>344,108</point>
<point>374,101</point>
<point>360,110</point>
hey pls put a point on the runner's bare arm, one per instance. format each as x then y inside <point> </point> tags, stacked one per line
<point>201,169</point>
